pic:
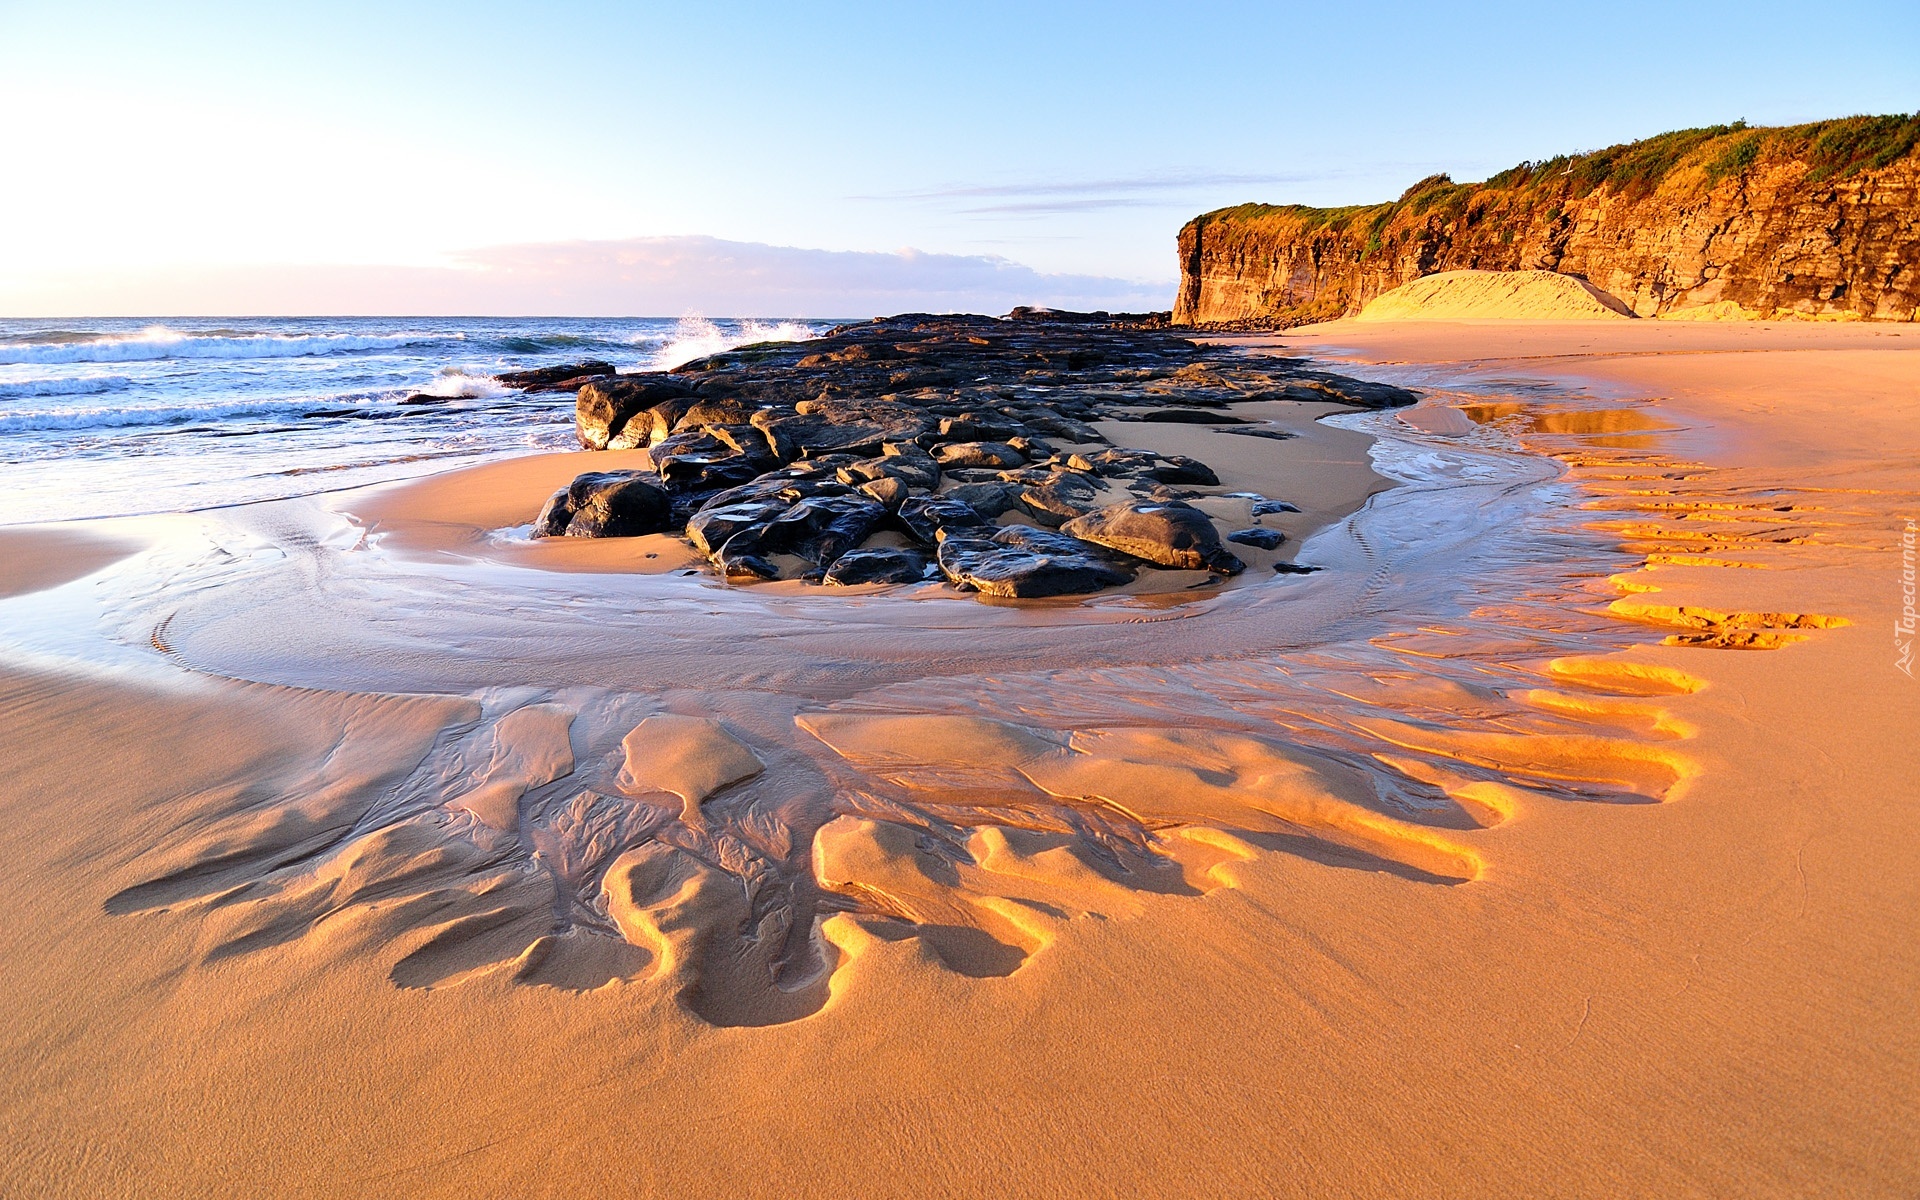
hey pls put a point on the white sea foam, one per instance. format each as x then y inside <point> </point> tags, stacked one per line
<point>85,385</point>
<point>158,342</point>
<point>84,417</point>
<point>456,383</point>
<point>697,337</point>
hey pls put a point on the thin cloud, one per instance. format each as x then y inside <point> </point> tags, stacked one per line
<point>1089,204</point>
<point>1102,187</point>
<point>1064,196</point>
<point>662,276</point>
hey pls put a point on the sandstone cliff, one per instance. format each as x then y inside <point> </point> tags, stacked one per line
<point>1818,220</point>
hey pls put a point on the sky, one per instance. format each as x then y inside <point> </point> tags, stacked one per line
<point>597,158</point>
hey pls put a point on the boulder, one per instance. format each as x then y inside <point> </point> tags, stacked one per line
<point>554,516</point>
<point>1112,462</point>
<point>1078,432</point>
<point>653,426</point>
<point>784,486</point>
<point>796,435</point>
<point>1177,468</point>
<point>925,516</point>
<point>1189,416</point>
<point>699,461</point>
<point>881,564</point>
<point>724,410</point>
<point>746,440</point>
<point>716,523</point>
<point>887,490</point>
<point>994,455</point>
<point>1060,498</point>
<point>853,410</point>
<point>829,425</point>
<point>974,427</point>
<point>911,465</point>
<point>607,504</point>
<point>1021,562</point>
<point>1265,539</point>
<point>1169,534</point>
<point>818,529</point>
<point>605,405</point>
<point>1362,394</point>
<point>990,500</point>
<point>915,470</point>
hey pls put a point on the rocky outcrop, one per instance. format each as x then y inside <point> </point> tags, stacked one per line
<point>606,504</point>
<point>568,377</point>
<point>1818,220</point>
<point>1168,534</point>
<point>912,448</point>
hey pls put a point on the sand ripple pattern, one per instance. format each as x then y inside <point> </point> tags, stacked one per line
<point>740,838</point>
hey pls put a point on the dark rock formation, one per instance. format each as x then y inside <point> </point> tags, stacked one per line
<point>818,530</point>
<point>607,504</point>
<point>1024,563</point>
<point>925,517</point>
<point>1265,539</point>
<point>1170,534</point>
<point>1815,220</point>
<point>604,406</point>
<point>1060,497</point>
<point>781,460</point>
<point>997,455</point>
<point>566,378</point>
<point>1192,416</point>
<point>882,564</point>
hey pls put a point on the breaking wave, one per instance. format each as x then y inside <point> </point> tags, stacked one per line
<point>456,383</point>
<point>697,337</point>
<point>100,417</point>
<point>159,342</point>
<point>87,385</point>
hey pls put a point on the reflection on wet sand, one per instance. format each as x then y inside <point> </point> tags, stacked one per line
<point>562,809</point>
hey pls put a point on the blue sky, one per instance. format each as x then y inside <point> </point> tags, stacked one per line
<point>173,146</point>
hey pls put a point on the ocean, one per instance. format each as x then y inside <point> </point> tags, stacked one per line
<point>124,417</point>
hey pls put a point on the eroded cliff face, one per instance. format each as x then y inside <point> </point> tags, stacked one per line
<point>1815,220</point>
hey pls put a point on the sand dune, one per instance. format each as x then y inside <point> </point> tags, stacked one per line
<point>1552,840</point>
<point>1495,296</point>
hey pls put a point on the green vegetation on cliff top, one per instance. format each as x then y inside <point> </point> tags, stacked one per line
<point>1834,149</point>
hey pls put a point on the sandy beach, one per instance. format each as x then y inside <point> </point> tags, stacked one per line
<point>1554,838</point>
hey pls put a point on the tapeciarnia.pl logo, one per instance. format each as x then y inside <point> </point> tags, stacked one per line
<point>1903,626</point>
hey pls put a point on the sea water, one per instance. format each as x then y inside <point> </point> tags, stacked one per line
<point>125,417</point>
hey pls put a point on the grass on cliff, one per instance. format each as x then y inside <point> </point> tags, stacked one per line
<point>1831,149</point>
<point>1837,149</point>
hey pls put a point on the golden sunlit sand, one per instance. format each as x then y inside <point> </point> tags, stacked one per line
<point>1497,296</point>
<point>1555,839</point>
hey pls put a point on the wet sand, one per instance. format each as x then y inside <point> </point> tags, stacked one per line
<point>341,865</point>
